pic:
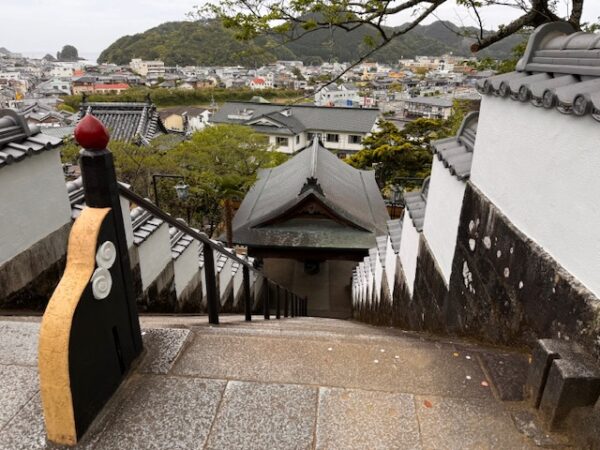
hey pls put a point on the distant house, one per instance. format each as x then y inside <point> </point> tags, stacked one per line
<point>148,69</point>
<point>44,115</point>
<point>133,122</point>
<point>428,107</point>
<point>292,128</point>
<point>258,83</point>
<point>112,88</point>
<point>185,118</point>
<point>334,95</point>
<point>309,221</point>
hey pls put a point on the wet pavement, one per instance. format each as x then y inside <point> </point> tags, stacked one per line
<point>302,383</point>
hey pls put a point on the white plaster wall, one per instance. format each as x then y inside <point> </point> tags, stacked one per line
<point>378,276</point>
<point>444,203</point>
<point>409,250</point>
<point>127,221</point>
<point>391,259</point>
<point>33,202</point>
<point>155,254</point>
<point>224,278</point>
<point>238,278</point>
<point>540,168</point>
<point>186,267</point>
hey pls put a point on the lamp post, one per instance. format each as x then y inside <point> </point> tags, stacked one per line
<point>181,188</point>
<point>396,197</point>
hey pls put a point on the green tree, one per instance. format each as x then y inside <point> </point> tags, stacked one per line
<point>295,19</point>
<point>405,153</point>
<point>220,164</point>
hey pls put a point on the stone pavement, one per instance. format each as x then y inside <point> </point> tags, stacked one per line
<point>302,383</point>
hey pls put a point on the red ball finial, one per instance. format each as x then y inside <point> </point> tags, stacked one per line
<point>91,134</point>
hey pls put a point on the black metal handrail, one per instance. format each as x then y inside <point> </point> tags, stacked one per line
<point>299,305</point>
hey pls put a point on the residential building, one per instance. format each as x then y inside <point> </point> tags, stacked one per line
<point>334,95</point>
<point>148,69</point>
<point>292,128</point>
<point>428,107</point>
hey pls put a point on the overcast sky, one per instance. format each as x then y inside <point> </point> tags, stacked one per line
<point>44,26</point>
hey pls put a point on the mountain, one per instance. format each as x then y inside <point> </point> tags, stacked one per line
<point>209,43</point>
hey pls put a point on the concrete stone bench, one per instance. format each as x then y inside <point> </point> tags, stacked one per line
<point>561,377</point>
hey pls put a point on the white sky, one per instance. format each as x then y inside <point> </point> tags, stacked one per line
<point>44,26</point>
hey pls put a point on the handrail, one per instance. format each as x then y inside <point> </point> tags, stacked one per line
<point>156,211</point>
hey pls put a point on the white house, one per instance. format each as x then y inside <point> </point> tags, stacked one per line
<point>292,128</point>
<point>334,95</point>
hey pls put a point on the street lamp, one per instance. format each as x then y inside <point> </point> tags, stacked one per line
<point>396,197</point>
<point>182,190</point>
<point>182,186</point>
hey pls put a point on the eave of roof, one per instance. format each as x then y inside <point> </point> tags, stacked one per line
<point>19,141</point>
<point>560,69</point>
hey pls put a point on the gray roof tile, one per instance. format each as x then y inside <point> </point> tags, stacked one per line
<point>416,203</point>
<point>560,69</point>
<point>456,153</point>
<point>134,122</point>
<point>351,194</point>
<point>395,231</point>
<point>19,141</point>
<point>304,117</point>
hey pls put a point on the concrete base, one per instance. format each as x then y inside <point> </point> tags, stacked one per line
<point>28,280</point>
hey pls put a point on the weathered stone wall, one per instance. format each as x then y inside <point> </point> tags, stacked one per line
<point>28,279</point>
<point>506,289</point>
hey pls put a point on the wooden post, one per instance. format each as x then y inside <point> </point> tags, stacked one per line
<point>247,299</point>
<point>278,308</point>
<point>212,300</point>
<point>285,303</point>
<point>266,302</point>
<point>293,306</point>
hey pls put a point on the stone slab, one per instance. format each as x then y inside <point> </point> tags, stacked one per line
<point>162,345</point>
<point>164,412</point>
<point>508,372</point>
<point>26,430</point>
<point>544,352</point>
<point>356,419</point>
<point>571,383</point>
<point>373,366</point>
<point>257,416</point>
<point>459,424</point>
<point>19,342</point>
<point>18,384</point>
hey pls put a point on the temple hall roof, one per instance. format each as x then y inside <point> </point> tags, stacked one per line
<point>133,122</point>
<point>312,200</point>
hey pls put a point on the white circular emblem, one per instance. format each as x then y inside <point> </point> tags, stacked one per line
<point>106,255</point>
<point>101,283</point>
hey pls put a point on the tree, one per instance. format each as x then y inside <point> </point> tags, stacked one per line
<point>68,53</point>
<point>405,153</point>
<point>220,163</point>
<point>293,19</point>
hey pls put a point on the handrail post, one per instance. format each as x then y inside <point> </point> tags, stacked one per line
<point>305,312</point>
<point>278,309</point>
<point>292,306</point>
<point>266,301</point>
<point>285,303</point>
<point>247,299</point>
<point>212,302</point>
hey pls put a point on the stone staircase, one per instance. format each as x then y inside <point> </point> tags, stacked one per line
<point>302,383</point>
